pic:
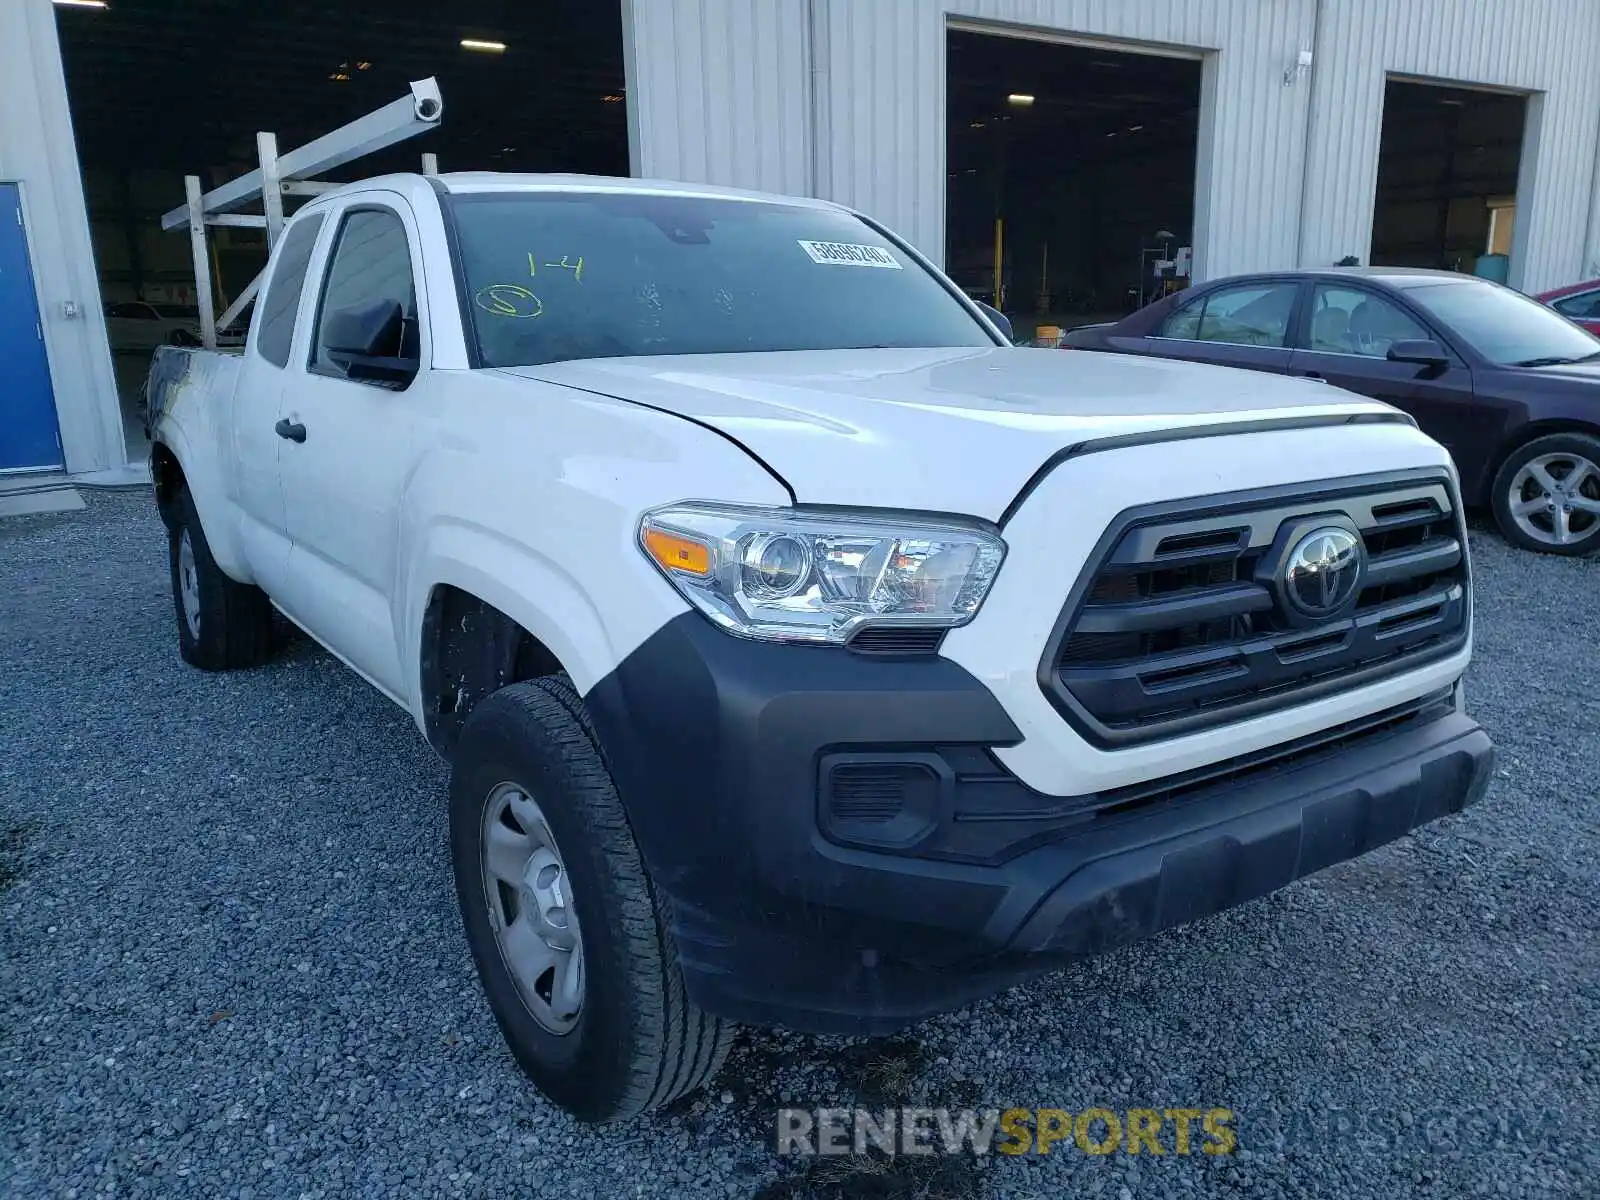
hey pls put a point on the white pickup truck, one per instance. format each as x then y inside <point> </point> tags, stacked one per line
<point>804,653</point>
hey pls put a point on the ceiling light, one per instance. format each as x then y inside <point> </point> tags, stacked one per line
<point>974,124</point>
<point>340,77</point>
<point>486,47</point>
<point>1020,99</point>
<point>1135,128</point>
<point>1451,103</point>
<point>611,98</point>
<point>363,66</point>
<point>82,3</point>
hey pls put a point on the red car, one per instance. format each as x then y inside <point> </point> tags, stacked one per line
<point>1579,301</point>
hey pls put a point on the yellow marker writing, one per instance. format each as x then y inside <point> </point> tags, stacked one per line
<point>509,300</point>
<point>575,268</point>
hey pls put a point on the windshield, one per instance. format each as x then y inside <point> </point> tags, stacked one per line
<point>1505,326</point>
<point>563,275</point>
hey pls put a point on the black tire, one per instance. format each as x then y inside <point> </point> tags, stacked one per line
<point>638,1043</point>
<point>234,619</point>
<point>1567,451</point>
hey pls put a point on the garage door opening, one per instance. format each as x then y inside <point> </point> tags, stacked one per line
<point>1071,177</point>
<point>1447,178</point>
<point>160,90</point>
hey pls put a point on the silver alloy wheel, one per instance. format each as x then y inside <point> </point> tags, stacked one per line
<point>1555,498</point>
<point>531,908</point>
<point>188,584</point>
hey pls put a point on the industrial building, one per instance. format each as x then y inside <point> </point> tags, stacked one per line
<point>1063,158</point>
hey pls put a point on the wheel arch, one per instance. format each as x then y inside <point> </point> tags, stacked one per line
<point>174,469</point>
<point>1483,490</point>
<point>470,650</point>
<point>168,479</point>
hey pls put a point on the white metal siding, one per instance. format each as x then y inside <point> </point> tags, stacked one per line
<point>1550,47</point>
<point>846,99</point>
<point>885,75</point>
<point>719,91</point>
<point>37,149</point>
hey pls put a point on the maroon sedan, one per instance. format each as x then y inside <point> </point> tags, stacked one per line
<point>1578,302</point>
<point>1510,388</point>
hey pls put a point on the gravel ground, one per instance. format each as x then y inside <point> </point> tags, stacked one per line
<point>231,962</point>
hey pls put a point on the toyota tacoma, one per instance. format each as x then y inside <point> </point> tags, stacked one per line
<point>803,653</point>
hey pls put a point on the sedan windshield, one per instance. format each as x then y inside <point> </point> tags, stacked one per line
<point>1505,326</point>
<point>563,275</point>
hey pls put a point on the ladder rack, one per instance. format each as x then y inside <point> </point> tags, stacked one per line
<point>291,174</point>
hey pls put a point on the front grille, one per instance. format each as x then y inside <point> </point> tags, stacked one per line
<point>1182,623</point>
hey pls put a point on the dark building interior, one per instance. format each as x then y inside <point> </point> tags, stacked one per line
<point>1447,172</point>
<point>161,89</point>
<point>1084,177</point>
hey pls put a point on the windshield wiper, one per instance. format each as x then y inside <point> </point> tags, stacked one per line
<point>1552,360</point>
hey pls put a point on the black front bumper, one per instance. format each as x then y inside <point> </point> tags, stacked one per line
<point>784,913</point>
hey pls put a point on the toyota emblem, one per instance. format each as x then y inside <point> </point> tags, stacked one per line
<point>1323,571</point>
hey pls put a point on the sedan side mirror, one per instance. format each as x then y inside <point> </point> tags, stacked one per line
<point>1002,321</point>
<point>368,341</point>
<point>1423,351</point>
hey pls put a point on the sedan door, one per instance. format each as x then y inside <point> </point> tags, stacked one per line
<point>1240,324</point>
<point>1345,338</point>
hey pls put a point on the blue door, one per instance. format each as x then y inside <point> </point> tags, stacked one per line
<point>28,436</point>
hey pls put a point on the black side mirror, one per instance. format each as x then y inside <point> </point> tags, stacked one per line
<point>368,341</point>
<point>998,317</point>
<point>1422,351</point>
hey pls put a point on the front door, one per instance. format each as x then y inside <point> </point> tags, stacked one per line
<point>1348,332</point>
<point>28,433</point>
<point>347,451</point>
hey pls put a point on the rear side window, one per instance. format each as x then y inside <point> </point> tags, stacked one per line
<point>276,318</point>
<point>1252,314</point>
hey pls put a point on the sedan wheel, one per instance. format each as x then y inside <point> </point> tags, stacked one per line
<point>1555,498</point>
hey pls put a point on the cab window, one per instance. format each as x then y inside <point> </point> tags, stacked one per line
<point>282,301</point>
<point>370,266</point>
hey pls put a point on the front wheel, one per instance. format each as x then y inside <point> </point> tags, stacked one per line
<point>1547,495</point>
<point>570,940</point>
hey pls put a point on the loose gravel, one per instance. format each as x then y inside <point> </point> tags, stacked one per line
<point>231,962</point>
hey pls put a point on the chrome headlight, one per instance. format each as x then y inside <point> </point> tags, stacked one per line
<point>796,576</point>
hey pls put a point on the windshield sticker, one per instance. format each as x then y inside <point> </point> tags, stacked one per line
<point>509,300</point>
<point>846,255</point>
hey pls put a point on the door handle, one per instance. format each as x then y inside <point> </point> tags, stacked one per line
<point>1304,374</point>
<point>292,430</point>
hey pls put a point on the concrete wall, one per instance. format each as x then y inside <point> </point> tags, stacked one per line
<point>37,150</point>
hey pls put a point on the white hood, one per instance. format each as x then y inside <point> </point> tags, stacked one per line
<point>959,431</point>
